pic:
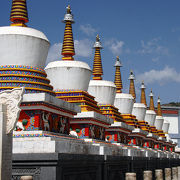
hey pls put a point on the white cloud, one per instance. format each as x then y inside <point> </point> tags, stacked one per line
<point>175,29</point>
<point>88,29</point>
<point>163,76</point>
<point>115,46</point>
<point>155,59</point>
<point>153,47</point>
<point>83,48</point>
<point>54,52</point>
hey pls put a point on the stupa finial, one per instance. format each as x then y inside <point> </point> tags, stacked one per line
<point>143,94</point>
<point>151,105</point>
<point>97,65</point>
<point>159,110</point>
<point>68,43</point>
<point>132,87</point>
<point>19,14</point>
<point>118,80</point>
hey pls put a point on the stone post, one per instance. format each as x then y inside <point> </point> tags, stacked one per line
<point>130,176</point>
<point>159,174</point>
<point>147,175</point>
<point>167,173</point>
<point>174,173</point>
<point>178,172</point>
<point>26,178</point>
<point>5,146</point>
<point>9,114</point>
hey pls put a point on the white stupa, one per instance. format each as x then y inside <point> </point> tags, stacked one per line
<point>103,91</point>
<point>150,113</point>
<point>124,102</point>
<point>23,53</point>
<point>68,74</point>
<point>159,118</point>
<point>139,109</point>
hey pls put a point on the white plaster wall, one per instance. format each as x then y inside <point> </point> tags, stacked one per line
<point>150,117</point>
<point>124,102</point>
<point>165,127</point>
<point>173,128</point>
<point>139,110</point>
<point>23,46</point>
<point>103,91</point>
<point>72,75</point>
<point>159,122</point>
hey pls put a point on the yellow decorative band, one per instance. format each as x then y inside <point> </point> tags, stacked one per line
<point>26,82</point>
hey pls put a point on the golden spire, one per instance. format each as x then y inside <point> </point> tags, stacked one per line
<point>143,94</point>
<point>68,44</point>
<point>118,80</point>
<point>97,66</point>
<point>159,111</point>
<point>19,14</point>
<point>132,88</point>
<point>151,106</point>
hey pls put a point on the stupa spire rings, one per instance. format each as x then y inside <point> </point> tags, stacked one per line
<point>132,87</point>
<point>68,16</point>
<point>143,94</point>
<point>97,65</point>
<point>151,105</point>
<point>118,80</point>
<point>159,110</point>
<point>19,14</point>
<point>68,50</point>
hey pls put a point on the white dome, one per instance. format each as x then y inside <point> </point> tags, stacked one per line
<point>150,117</point>
<point>124,102</point>
<point>103,91</point>
<point>23,46</point>
<point>139,110</point>
<point>72,75</point>
<point>159,122</point>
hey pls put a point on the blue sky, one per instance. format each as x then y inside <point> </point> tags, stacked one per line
<point>145,34</point>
